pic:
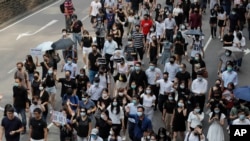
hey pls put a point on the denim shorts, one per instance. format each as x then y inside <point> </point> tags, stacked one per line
<point>51,90</point>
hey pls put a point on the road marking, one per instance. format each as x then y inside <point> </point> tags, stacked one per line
<point>42,28</point>
<point>84,18</point>
<point>247,51</point>
<point>29,16</point>
<point>208,42</point>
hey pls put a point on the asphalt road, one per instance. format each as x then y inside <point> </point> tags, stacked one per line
<point>46,24</point>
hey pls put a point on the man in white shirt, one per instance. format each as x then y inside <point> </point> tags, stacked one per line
<point>95,90</point>
<point>229,76</point>
<point>153,74</point>
<point>172,68</point>
<point>195,135</point>
<point>199,89</point>
<point>94,9</point>
<point>170,25</point>
<point>166,86</point>
<point>70,66</point>
<point>242,119</point>
<point>110,4</point>
<point>108,50</point>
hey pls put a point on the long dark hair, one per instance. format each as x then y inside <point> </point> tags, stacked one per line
<point>160,132</point>
<point>213,113</point>
<point>117,106</point>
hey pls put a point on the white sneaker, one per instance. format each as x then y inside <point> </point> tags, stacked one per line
<point>221,40</point>
<point>159,54</point>
<point>218,37</point>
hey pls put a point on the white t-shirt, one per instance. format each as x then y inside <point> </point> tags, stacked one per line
<point>118,138</point>
<point>95,8</point>
<point>148,100</point>
<point>164,86</point>
<point>194,120</point>
<point>115,118</point>
<point>192,137</point>
<point>177,11</point>
<point>123,69</point>
<point>222,117</point>
<point>104,80</point>
<point>172,69</point>
<point>160,27</point>
<point>239,122</point>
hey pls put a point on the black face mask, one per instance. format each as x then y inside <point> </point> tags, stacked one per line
<point>35,77</point>
<point>67,76</point>
<point>35,102</point>
<point>171,62</point>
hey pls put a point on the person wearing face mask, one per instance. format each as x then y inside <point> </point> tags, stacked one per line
<point>146,24</point>
<point>243,118</point>
<point>35,84</point>
<point>103,102</point>
<point>83,121</point>
<point>162,135</point>
<point>165,88</point>
<point>149,36</point>
<point>148,100</point>
<point>95,90</point>
<point>153,50</point>
<point>215,92</point>
<point>44,97</point>
<point>109,48</point>
<point>238,106</point>
<point>234,19</point>
<point>86,43</point>
<point>170,26</point>
<point>82,81</point>
<point>104,125</point>
<point>178,120</point>
<point>117,35</point>
<point>168,110</point>
<point>182,91</point>
<point>46,64</point>
<point>71,99</point>
<point>22,74</point>
<point>71,66</point>
<point>142,124</point>
<point>139,42</point>
<point>139,76</point>
<point>227,57</point>
<point>67,82</point>
<point>36,103</point>
<point>199,88</point>
<point>197,65</point>
<point>229,76</point>
<point>183,75</point>
<point>116,114</point>
<point>215,130</point>
<point>93,66</point>
<point>172,68</point>
<point>195,20</point>
<point>95,135</point>
<point>114,134</point>
<point>179,50</point>
<point>195,135</point>
<point>88,104</point>
<point>104,76</point>
<point>131,108</point>
<point>166,50</point>
<point>110,18</point>
<point>30,67</point>
<point>153,74</point>
<point>195,117</point>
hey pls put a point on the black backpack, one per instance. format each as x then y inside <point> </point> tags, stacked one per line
<point>62,8</point>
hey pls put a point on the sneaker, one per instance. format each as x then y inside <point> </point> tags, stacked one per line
<point>159,54</point>
<point>218,37</point>
<point>221,40</point>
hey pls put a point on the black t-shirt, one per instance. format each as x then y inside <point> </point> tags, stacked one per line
<point>35,87</point>
<point>82,125</point>
<point>228,38</point>
<point>169,2</point>
<point>67,84</point>
<point>30,67</point>
<point>105,101</point>
<point>183,77</point>
<point>45,98</point>
<point>87,41</point>
<point>82,82</point>
<point>169,106</point>
<point>11,125</point>
<point>49,81</point>
<point>44,68</point>
<point>37,128</point>
<point>77,26</point>
<point>21,97</point>
<point>92,60</point>
<point>103,127</point>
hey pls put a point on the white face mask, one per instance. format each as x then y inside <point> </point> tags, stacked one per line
<point>120,94</point>
<point>104,95</point>
<point>64,33</point>
<point>40,88</point>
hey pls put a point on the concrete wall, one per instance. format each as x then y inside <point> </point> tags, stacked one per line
<point>10,9</point>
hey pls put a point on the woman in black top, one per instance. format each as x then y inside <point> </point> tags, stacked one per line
<point>50,84</point>
<point>197,65</point>
<point>81,80</point>
<point>86,46</point>
<point>153,50</point>
<point>179,49</point>
<point>213,20</point>
<point>104,124</point>
<point>117,35</point>
<point>157,11</point>
<point>44,97</point>
<point>30,67</point>
<point>35,84</point>
<point>162,136</point>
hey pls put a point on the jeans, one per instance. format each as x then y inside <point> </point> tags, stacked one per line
<point>131,127</point>
<point>238,62</point>
<point>68,22</point>
<point>31,77</point>
<point>169,35</point>
<point>77,37</point>
<point>22,112</point>
<point>92,75</point>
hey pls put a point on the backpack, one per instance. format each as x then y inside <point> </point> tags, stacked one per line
<point>190,134</point>
<point>62,8</point>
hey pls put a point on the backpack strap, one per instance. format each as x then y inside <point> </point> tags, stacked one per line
<point>189,136</point>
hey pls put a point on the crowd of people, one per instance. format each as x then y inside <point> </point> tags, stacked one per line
<point>115,92</point>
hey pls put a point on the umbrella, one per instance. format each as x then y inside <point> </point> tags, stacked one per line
<point>242,93</point>
<point>45,46</point>
<point>238,53</point>
<point>233,49</point>
<point>194,32</point>
<point>62,44</point>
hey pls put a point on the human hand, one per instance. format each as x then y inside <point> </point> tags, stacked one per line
<point>12,132</point>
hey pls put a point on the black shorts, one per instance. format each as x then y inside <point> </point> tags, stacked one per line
<point>221,23</point>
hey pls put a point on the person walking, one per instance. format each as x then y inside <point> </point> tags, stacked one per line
<point>68,12</point>
<point>11,126</point>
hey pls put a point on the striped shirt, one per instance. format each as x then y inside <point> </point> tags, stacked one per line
<point>138,38</point>
<point>69,8</point>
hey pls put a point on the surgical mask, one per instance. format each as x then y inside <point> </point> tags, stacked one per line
<point>197,110</point>
<point>134,101</point>
<point>83,113</point>
<point>182,86</point>
<point>81,74</point>
<point>64,33</point>
<point>229,68</point>
<point>114,103</point>
<point>227,53</point>
<point>180,104</point>
<point>84,99</point>
<point>242,117</point>
<point>50,72</point>
<point>69,62</point>
<point>139,114</point>
<point>151,67</point>
<point>151,29</point>
<point>162,135</point>
<point>129,42</point>
<point>15,84</point>
<point>102,116</point>
<point>133,86</point>
<point>216,111</point>
<point>40,88</point>
<point>199,78</point>
<point>111,132</point>
<point>137,68</point>
<point>96,84</point>
<point>170,98</point>
<point>148,91</point>
<point>94,137</point>
<point>120,94</point>
<point>180,69</point>
<point>196,58</point>
<point>104,95</point>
